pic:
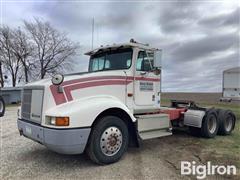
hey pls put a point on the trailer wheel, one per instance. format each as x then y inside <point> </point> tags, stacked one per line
<point>108,141</point>
<point>226,121</point>
<point>2,107</point>
<point>210,124</point>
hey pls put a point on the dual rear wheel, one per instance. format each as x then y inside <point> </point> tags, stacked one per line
<point>227,122</point>
<point>215,122</point>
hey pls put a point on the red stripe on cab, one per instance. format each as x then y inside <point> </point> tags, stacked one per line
<point>68,89</point>
<point>59,98</point>
<point>81,83</point>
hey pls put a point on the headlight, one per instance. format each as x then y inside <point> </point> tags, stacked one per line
<point>53,121</point>
<point>57,79</point>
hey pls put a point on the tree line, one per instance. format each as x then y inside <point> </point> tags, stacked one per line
<point>34,51</point>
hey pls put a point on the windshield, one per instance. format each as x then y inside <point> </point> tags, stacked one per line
<point>111,60</point>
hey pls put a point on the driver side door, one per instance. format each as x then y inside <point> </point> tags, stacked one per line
<point>146,82</point>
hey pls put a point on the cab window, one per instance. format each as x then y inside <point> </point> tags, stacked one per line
<point>98,63</point>
<point>144,61</point>
<point>111,60</point>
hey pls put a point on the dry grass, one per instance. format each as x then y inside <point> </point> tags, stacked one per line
<point>221,149</point>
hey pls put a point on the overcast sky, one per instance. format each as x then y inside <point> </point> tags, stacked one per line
<point>199,39</point>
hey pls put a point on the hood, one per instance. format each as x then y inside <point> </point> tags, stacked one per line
<point>69,77</point>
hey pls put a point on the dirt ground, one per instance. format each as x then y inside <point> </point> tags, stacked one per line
<point>159,158</point>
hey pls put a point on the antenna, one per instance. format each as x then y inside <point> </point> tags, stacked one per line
<point>92,32</point>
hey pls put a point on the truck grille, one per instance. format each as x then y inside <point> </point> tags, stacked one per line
<point>32,101</point>
<point>26,103</point>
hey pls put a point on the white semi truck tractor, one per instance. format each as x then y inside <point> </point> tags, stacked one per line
<point>115,104</point>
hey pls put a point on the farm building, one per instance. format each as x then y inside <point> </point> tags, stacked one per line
<point>11,95</point>
<point>231,84</point>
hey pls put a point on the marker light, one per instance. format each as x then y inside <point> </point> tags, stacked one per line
<point>62,121</point>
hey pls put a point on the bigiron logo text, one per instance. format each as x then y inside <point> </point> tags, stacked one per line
<point>201,171</point>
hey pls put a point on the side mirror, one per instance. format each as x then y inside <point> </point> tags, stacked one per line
<point>157,71</point>
<point>157,60</point>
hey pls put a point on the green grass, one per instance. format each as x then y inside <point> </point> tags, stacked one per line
<point>222,148</point>
<point>227,146</point>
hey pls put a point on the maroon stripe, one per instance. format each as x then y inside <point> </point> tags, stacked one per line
<point>68,89</point>
<point>113,80</point>
<point>147,79</point>
<point>91,79</point>
<point>59,98</point>
<point>107,77</point>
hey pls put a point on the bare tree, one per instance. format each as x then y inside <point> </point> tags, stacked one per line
<point>22,49</point>
<point>53,50</point>
<point>8,59</point>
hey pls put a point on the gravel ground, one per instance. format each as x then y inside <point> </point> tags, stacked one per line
<point>159,158</point>
<point>22,158</point>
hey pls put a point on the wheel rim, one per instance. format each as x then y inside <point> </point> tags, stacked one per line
<point>212,124</point>
<point>111,141</point>
<point>1,106</point>
<point>228,123</point>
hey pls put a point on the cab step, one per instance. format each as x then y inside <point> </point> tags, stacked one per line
<point>153,125</point>
<point>154,134</point>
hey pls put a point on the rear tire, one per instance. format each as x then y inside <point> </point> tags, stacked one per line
<point>2,107</point>
<point>210,124</point>
<point>226,122</point>
<point>108,140</point>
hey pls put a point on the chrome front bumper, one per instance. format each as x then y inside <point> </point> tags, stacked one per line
<point>64,141</point>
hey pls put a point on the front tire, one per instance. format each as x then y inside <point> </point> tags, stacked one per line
<point>108,141</point>
<point>2,107</point>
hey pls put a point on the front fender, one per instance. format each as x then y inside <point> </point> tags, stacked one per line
<point>83,112</point>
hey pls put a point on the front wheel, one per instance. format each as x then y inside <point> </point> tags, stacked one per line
<point>2,107</point>
<point>108,141</point>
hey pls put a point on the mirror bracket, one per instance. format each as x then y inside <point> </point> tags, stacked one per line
<point>142,73</point>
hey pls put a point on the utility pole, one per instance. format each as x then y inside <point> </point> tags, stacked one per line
<point>92,32</point>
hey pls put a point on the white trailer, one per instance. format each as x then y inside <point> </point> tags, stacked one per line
<point>231,84</point>
<point>115,104</point>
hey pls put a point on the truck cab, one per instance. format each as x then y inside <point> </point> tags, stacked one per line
<point>103,111</point>
<point>134,63</point>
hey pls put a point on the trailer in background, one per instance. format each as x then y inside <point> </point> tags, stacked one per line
<point>11,95</point>
<point>231,84</point>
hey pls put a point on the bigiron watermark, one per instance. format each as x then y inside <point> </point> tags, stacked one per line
<point>202,171</point>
